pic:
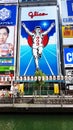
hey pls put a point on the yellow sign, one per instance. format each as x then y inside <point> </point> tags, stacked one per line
<point>67,31</point>
<point>56,88</point>
<point>21,87</point>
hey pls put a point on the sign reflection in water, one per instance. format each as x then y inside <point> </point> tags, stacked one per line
<point>36,122</point>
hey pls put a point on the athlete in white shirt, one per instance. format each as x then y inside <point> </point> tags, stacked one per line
<point>37,45</point>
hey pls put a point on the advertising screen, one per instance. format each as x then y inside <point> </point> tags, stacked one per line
<point>67,35</point>
<point>67,12</point>
<point>68,57</point>
<point>38,41</point>
<point>7,38</point>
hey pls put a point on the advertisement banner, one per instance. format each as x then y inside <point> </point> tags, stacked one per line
<point>67,35</point>
<point>7,39</point>
<point>69,72</point>
<point>68,57</point>
<point>67,12</point>
<point>38,41</point>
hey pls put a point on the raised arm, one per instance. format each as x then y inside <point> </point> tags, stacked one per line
<point>49,29</point>
<point>26,29</point>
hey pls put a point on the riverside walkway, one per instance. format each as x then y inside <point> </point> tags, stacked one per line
<point>51,101</point>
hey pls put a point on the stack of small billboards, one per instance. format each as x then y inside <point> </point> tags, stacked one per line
<point>8,37</point>
<point>67,38</point>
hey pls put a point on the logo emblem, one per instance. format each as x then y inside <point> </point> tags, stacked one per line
<point>5,14</point>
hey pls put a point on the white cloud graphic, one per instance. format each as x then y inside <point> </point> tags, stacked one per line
<point>53,39</point>
<point>23,41</point>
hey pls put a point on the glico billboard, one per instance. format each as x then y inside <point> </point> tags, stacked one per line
<point>38,40</point>
<point>8,35</point>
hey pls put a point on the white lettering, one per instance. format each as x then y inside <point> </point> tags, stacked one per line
<point>69,57</point>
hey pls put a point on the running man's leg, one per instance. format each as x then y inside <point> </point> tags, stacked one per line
<point>36,58</point>
<point>40,51</point>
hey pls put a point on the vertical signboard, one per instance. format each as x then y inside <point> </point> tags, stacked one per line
<point>67,12</point>
<point>7,39</point>
<point>38,40</point>
<point>67,33</point>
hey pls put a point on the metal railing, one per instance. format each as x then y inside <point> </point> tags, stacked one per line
<point>39,99</point>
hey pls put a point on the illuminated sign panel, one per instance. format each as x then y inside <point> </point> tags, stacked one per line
<point>38,40</point>
<point>70,7</point>
<point>67,12</point>
<point>68,57</point>
<point>7,38</point>
<point>67,35</point>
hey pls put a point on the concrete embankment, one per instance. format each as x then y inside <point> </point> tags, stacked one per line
<point>28,104</point>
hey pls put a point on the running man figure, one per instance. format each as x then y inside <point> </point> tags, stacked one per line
<point>37,45</point>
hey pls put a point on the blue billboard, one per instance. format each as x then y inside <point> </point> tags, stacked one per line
<point>8,14</point>
<point>67,12</point>
<point>70,7</point>
<point>68,57</point>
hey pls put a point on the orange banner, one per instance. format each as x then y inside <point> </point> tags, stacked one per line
<point>67,31</point>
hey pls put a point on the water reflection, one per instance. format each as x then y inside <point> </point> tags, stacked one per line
<point>36,122</point>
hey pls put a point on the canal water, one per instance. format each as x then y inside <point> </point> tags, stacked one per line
<point>36,122</point>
